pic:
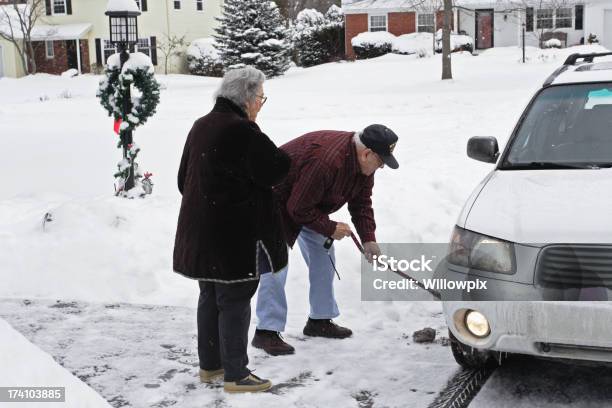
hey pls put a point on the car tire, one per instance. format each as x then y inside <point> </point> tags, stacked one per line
<point>470,357</point>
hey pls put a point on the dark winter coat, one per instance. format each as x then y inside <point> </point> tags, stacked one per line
<point>229,219</point>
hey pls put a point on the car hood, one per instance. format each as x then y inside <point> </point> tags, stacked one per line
<point>545,206</point>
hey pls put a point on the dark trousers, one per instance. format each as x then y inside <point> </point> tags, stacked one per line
<point>224,315</point>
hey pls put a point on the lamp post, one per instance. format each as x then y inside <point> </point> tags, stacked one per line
<point>123,24</point>
<point>523,42</point>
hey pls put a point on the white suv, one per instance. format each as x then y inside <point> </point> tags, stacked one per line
<point>538,228</point>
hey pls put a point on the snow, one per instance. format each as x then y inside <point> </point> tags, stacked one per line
<point>122,5</point>
<point>23,364</point>
<point>203,47</point>
<point>100,248</point>
<point>373,38</point>
<point>70,73</point>
<point>137,60</point>
<point>553,42</point>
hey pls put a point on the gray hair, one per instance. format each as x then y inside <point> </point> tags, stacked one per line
<point>240,85</point>
<point>357,139</point>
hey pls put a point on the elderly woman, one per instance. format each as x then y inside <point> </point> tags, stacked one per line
<point>229,230</point>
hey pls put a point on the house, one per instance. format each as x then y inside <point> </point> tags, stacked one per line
<point>492,23</point>
<point>75,34</point>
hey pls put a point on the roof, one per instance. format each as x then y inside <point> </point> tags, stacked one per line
<point>60,32</point>
<point>41,32</point>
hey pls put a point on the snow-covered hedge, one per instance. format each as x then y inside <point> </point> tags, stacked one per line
<point>203,58</point>
<point>552,43</point>
<point>318,38</point>
<point>370,45</point>
<point>458,42</point>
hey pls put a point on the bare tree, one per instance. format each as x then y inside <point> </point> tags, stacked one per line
<point>171,46</point>
<point>447,71</point>
<point>17,21</point>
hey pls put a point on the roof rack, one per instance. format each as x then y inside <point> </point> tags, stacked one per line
<point>571,61</point>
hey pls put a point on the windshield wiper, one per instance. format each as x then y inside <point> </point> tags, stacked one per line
<point>542,165</point>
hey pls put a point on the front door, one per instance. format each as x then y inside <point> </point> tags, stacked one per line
<point>484,29</point>
<point>1,63</point>
<point>71,53</point>
<point>607,40</point>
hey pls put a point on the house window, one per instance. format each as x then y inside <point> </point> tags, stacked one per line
<point>144,46</point>
<point>200,5</point>
<point>109,49</point>
<point>529,19</point>
<point>49,49</point>
<point>378,23</point>
<point>579,24</point>
<point>545,18</point>
<point>59,6</point>
<point>177,4</point>
<point>425,23</point>
<point>563,18</point>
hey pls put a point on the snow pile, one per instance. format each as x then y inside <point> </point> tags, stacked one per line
<point>122,5</point>
<point>415,43</point>
<point>70,73</point>
<point>24,364</point>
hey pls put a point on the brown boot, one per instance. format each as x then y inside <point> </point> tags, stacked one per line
<point>326,328</point>
<point>271,342</point>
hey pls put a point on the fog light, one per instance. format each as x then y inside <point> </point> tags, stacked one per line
<point>477,324</point>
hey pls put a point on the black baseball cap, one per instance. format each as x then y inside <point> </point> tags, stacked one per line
<point>381,140</point>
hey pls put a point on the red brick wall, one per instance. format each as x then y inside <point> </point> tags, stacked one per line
<point>354,24</point>
<point>59,63</point>
<point>401,23</point>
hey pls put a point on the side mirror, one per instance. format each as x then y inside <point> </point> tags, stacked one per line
<point>484,149</point>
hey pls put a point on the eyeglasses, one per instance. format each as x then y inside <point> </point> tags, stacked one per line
<point>263,99</point>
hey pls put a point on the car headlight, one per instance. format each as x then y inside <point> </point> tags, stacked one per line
<point>477,251</point>
<point>477,324</point>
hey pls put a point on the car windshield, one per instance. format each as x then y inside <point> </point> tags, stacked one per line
<point>567,127</point>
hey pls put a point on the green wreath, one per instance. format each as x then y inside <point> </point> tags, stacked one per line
<point>112,94</point>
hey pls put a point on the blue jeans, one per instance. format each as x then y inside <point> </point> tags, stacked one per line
<point>271,298</point>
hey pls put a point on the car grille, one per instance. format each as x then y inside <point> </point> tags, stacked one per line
<point>576,266</point>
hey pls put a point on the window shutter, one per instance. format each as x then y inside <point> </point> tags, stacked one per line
<point>99,52</point>
<point>69,7</point>
<point>48,7</point>
<point>154,50</point>
<point>579,17</point>
<point>143,5</point>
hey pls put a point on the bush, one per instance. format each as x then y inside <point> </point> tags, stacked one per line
<point>318,38</point>
<point>371,45</point>
<point>203,59</point>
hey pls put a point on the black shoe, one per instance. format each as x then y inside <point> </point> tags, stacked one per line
<point>271,342</point>
<point>250,383</point>
<point>326,328</point>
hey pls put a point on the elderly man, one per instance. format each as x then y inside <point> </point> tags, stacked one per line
<point>328,169</point>
<point>229,229</point>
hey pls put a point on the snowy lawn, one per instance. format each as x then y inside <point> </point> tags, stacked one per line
<point>60,154</point>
